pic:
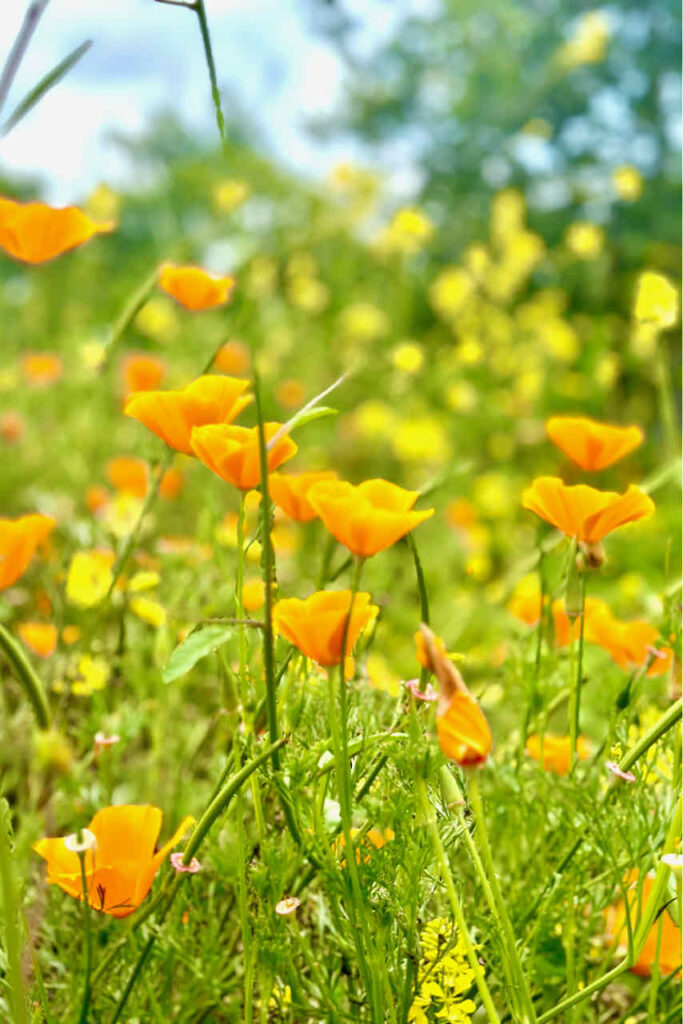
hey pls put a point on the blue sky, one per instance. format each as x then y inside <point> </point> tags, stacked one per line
<point>147,56</point>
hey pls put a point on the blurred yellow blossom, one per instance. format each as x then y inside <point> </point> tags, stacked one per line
<point>150,611</point>
<point>628,183</point>
<point>122,513</point>
<point>158,319</point>
<point>450,291</point>
<point>290,393</point>
<point>507,214</point>
<point>103,204</point>
<point>92,354</point>
<point>560,340</point>
<point>89,577</point>
<point>253,595</point>
<point>261,278</point>
<point>93,674</point>
<point>408,356</point>
<point>362,321</point>
<point>607,370</point>
<point>656,300</point>
<point>231,193</point>
<point>308,293</point>
<point>588,44</point>
<point>374,419</point>
<point>421,439</point>
<point>143,580</point>
<point>407,232</point>
<point>585,240</point>
<point>380,675</point>
<point>461,397</point>
<point>494,495</point>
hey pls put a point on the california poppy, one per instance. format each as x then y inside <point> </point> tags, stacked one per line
<point>35,232</point>
<point>39,637</point>
<point>525,605</point>
<point>42,368</point>
<point>233,452</point>
<point>617,930</point>
<point>316,626</point>
<point>19,539</point>
<point>596,613</point>
<point>120,869</point>
<point>171,483</point>
<point>194,288</point>
<point>557,751</point>
<point>142,372</point>
<point>128,475</point>
<point>367,518</point>
<point>12,426</point>
<point>373,839</point>
<point>290,492</point>
<point>631,644</point>
<point>464,734</point>
<point>590,444</point>
<point>583,511</point>
<point>171,415</point>
<point>233,357</point>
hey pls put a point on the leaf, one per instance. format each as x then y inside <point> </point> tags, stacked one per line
<point>194,648</point>
<point>309,415</point>
<point>46,83</point>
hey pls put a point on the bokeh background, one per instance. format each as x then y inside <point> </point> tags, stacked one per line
<point>452,201</point>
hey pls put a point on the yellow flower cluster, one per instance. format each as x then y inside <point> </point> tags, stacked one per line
<point>444,976</point>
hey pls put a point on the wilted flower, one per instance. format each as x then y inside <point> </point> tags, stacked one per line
<point>120,868</point>
<point>614,768</point>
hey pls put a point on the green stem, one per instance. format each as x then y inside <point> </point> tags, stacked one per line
<point>654,980</point>
<point>26,675</point>
<point>652,908</point>
<point>666,401</point>
<point>579,671</point>
<point>198,8</point>
<point>516,968</point>
<point>88,942</point>
<point>128,314</point>
<point>239,607</point>
<point>16,996</point>
<point>444,867</point>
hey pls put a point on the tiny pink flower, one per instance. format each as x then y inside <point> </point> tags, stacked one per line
<point>655,652</point>
<point>287,906</point>
<point>105,741</point>
<point>185,869</point>
<point>616,770</point>
<point>429,694</point>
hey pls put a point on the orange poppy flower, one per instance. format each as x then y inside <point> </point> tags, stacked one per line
<point>19,539</point>
<point>171,483</point>
<point>233,357</point>
<point>39,637</point>
<point>142,372</point>
<point>290,492</point>
<point>35,232</point>
<point>290,393</point>
<point>128,475</point>
<point>233,452</point>
<point>171,415</point>
<point>195,288</point>
<point>616,929</point>
<point>372,840</point>
<point>557,751</point>
<point>96,498</point>
<point>367,518</point>
<point>630,644</point>
<point>583,511</point>
<point>42,368</point>
<point>316,626</point>
<point>596,613</point>
<point>120,870</point>
<point>12,426</point>
<point>526,606</point>
<point>590,444</point>
<point>463,732</point>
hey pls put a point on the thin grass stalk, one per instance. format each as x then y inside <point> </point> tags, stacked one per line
<point>87,929</point>
<point>454,900</point>
<point>16,996</point>
<point>510,945</point>
<point>26,675</point>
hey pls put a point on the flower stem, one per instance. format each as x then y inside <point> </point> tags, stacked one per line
<point>88,942</point>
<point>501,914</point>
<point>454,900</point>
<point>26,675</point>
